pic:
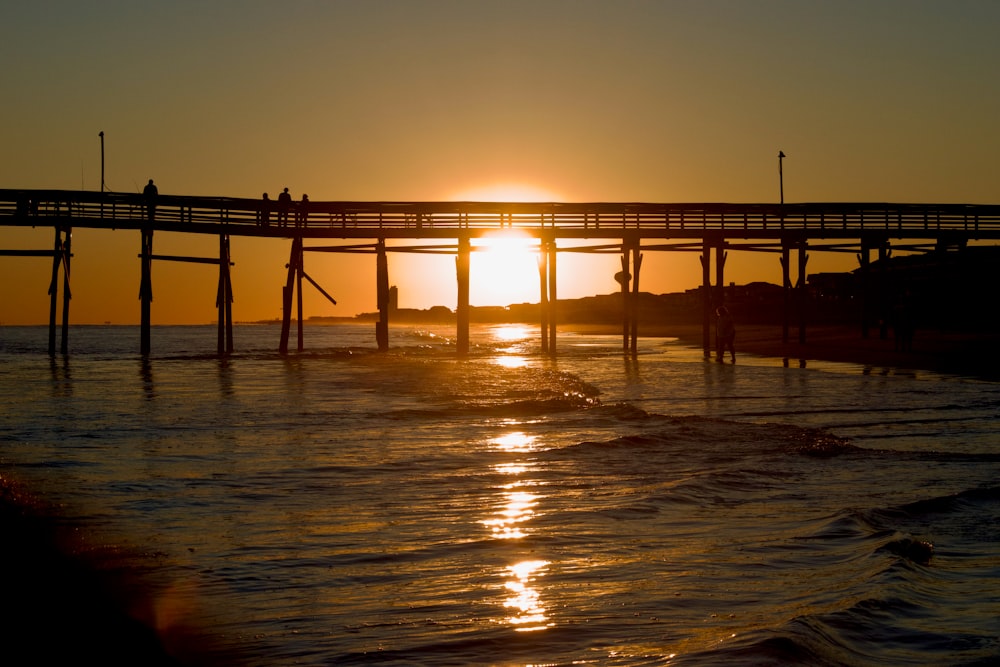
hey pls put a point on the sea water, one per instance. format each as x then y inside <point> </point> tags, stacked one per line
<point>342,506</point>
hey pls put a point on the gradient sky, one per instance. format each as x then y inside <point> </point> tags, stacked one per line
<point>669,101</point>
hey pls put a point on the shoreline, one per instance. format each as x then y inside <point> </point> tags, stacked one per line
<point>973,354</point>
<point>956,353</point>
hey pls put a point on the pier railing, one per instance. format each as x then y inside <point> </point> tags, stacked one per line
<point>416,219</point>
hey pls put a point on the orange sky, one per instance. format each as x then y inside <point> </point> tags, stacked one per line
<point>573,101</point>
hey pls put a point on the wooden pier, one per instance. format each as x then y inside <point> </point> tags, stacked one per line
<point>629,229</point>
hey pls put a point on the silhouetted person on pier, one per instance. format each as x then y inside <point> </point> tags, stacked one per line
<point>284,203</point>
<point>265,211</point>
<point>302,212</point>
<point>150,193</point>
<point>725,333</point>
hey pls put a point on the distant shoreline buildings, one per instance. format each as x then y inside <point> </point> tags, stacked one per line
<point>947,289</point>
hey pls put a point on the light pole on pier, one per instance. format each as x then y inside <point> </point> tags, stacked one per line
<point>101,134</point>
<point>781,178</point>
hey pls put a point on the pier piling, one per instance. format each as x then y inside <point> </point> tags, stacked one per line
<point>146,290</point>
<point>462,265</point>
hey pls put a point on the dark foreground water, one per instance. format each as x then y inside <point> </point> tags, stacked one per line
<point>342,507</point>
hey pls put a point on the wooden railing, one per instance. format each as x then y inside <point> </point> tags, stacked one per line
<point>416,219</point>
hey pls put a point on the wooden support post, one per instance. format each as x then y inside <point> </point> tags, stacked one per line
<point>629,280</point>
<point>720,274</point>
<point>801,292</point>
<point>720,290</point>
<point>864,261</point>
<point>229,302</point>
<point>146,290</point>
<point>57,254</point>
<point>625,279</point>
<point>706,288</point>
<point>300,341</point>
<point>881,297</point>
<point>294,259</point>
<point>543,300</point>
<point>553,298</point>
<point>382,296</point>
<point>637,262</point>
<point>786,283</point>
<point>67,295</point>
<point>224,298</point>
<point>462,264</point>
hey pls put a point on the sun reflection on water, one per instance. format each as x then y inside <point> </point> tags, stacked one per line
<point>519,508</point>
<point>516,441</point>
<point>524,601</point>
<point>514,343</point>
<point>511,361</point>
<point>511,332</point>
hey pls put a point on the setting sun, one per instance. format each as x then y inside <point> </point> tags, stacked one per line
<point>504,269</point>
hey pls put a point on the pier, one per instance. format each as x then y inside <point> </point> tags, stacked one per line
<point>791,231</point>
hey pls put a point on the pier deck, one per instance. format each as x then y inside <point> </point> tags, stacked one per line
<point>428,220</point>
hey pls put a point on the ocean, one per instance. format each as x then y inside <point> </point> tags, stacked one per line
<point>342,506</point>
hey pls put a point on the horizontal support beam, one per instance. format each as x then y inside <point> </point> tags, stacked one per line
<point>194,260</point>
<point>29,253</point>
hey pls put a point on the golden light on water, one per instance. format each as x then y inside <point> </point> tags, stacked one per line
<point>512,332</point>
<point>513,336</point>
<point>528,611</point>
<point>511,468</point>
<point>511,361</point>
<point>516,441</point>
<point>518,508</point>
<point>524,599</point>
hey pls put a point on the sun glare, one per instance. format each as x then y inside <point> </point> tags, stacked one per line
<point>504,270</point>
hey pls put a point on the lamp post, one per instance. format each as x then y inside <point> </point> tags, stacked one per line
<point>781,178</point>
<point>101,134</point>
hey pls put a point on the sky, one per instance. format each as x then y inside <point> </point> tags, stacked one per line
<point>667,101</point>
